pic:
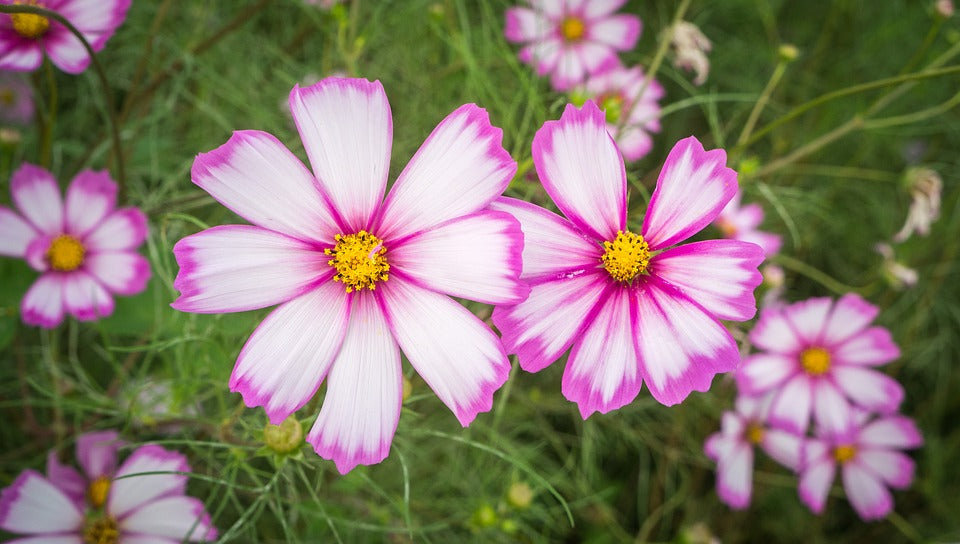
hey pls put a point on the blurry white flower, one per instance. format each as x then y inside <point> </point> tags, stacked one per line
<point>690,48</point>
<point>897,274</point>
<point>944,8</point>
<point>925,186</point>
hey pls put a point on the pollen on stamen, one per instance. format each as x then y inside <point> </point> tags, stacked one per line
<point>626,257</point>
<point>572,29</point>
<point>29,25</point>
<point>360,261</point>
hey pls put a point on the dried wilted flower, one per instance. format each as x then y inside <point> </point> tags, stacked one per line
<point>925,187</point>
<point>690,48</point>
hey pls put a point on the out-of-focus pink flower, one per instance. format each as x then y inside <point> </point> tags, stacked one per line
<point>631,118</point>
<point>84,248</point>
<point>816,358</point>
<point>944,8</point>
<point>740,223</point>
<point>925,187</point>
<point>570,39</point>
<point>774,279</point>
<point>632,307</point>
<point>870,460</point>
<point>25,37</point>
<point>16,99</point>
<point>690,48</point>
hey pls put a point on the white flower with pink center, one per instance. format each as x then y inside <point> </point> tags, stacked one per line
<point>26,37</point>
<point>740,223</point>
<point>870,461</point>
<point>84,248</point>
<point>631,117</point>
<point>732,448</point>
<point>818,357</point>
<point>358,277</point>
<point>632,307</point>
<point>570,39</point>
<point>142,501</point>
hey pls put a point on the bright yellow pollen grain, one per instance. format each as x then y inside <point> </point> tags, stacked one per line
<point>29,25</point>
<point>572,29</point>
<point>755,433</point>
<point>626,257</point>
<point>359,260</point>
<point>844,453</point>
<point>815,361</point>
<point>65,253</point>
<point>101,530</point>
<point>97,491</point>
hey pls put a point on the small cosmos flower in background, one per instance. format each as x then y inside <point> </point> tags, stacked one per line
<point>740,223</point>
<point>571,39</point>
<point>690,47</point>
<point>925,186</point>
<point>105,504</point>
<point>631,118</point>
<point>634,308</point>
<point>26,37</point>
<point>16,100</point>
<point>84,248</point>
<point>357,277</point>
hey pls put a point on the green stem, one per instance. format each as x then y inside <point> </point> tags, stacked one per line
<point>762,101</point>
<point>913,117</point>
<point>50,120</point>
<point>814,274</point>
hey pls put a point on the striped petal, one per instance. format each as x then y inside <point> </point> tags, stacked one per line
<point>91,196</point>
<point>791,408</point>
<point>869,497</point>
<point>33,505</point>
<point>37,196</point>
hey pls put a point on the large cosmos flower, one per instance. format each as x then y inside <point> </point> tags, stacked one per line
<point>84,248</point>
<point>358,277</point>
<point>570,39</point>
<point>143,501</point>
<point>25,37</point>
<point>632,307</point>
<point>817,356</point>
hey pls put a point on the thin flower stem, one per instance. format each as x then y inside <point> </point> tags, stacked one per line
<point>810,147</point>
<point>50,120</point>
<point>815,274</point>
<point>913,117</point>
<point>762,100</point>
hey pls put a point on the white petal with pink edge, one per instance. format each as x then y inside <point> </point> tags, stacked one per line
<point>719,445</point>
<point>582,170</point>
<point>121,272</point>
<point>732,270</point>
<point>179,518</point>
<point>891,432</point>
<point>37,196</point>
<point>43,303</point>
<point>869,497</point>
<point>808,318</point>
<point>831,410</point>
<point>869,389</point>
<point>872,347</point>
<point>773,332</point>
<point>84,298</point>
<point>603,372</point>
<point>32,505</point>
<point>550,8</point>
<point>347,131</point>
<point>90,197</point>
<point>552,246</point>
<point>19,54</point>
<point>524,25</point>
<point>258,178</point>
<point>543,326</point>
<point>791,408</point>
<point>762,372</point>
<point>681,347</point>
<point>732,424</point>
<point>851,314</point>
<point>595,9</point>
<point>815,482</point>
<point>569,69</point>
<point>543,55</point>
<point>97,453</point>
<point>620,32</point>
<point>66,51</point>
<point>893,467</point>
<point>65,477</point>
<point>233,268</point>
<point>141,479</point>
<point>477,257</point>
<point>693,187</point>
<point>15,233</point>
<point>458,170</point>
<point>783,446</point>
<point>453,351</point>
<point>361,408</point>
<point>124,229</point>
<point>96,19</point>
<point>282,364</point>
<point>735,476</point>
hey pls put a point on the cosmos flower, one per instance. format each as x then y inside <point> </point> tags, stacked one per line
<point>740,223</point>
<point>690,47</point>
<point>84,248</point>
<point>570,39</point>
<point>634,308</point>
<point>106,504</point>
<point>630,117</point>
<point>357,277</point>
<point>16,100</point>
<point>732,448</point>
<point>25,37</point>
<point>925,187</point>
<point>817,356</point>
<point>870,461</point>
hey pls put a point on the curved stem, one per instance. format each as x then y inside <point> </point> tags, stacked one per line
<point>46,143</point>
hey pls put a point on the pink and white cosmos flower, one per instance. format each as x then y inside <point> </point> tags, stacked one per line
<point>84,248</point>
<point>570,39</point>
<point>106,504</point>
<point>740,223</point>
<point>357,277</point>
<point>870,461</point>
<point>631,117</point>
<point>25,37</point>
<point>732,448</point>
<point>817,356</point>
<point>633,307</point>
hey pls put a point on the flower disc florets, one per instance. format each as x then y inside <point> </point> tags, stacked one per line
<point>65,253</point>
<point>30,25</point>
<point>626,257</point>
<point>359,260</point>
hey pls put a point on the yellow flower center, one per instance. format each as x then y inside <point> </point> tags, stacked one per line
<point>755,433</point>
<point>728,229</point>
<point>359,260</point>
<point>572,29</point>
<point>30,25</point>
<point>626,257</point>
<point>65,253</point>
<point>97,491</point>
<point>844,453</point>
<point>101,530</point>
<point>815,361</point>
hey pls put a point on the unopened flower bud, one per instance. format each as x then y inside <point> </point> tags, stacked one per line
<point>788,52</point>
<point>285,437</point>
<point>520,495</point>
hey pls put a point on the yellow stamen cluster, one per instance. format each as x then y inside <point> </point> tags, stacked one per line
<point>359,260</point>
<point>65,253</point>
<point>29,25</point>
<point>626,257</point>
<point>97,491</point>
<point>101,530</point>
<point>844,453</point>
<point>572,29</point>
<point>815,361</point>
<point>755,433</point>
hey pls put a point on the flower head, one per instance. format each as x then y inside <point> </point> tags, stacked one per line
<point>925,186</point>
<point>84,248</point>
<point>816,358</point>
<point>357,277</point>
<point>16,100</point>
<point>570,39</point>
<point>25,37</point>
<point>632,307</point>
<point>106,504</point>
<point>740,223</point>
<point>690,47</point>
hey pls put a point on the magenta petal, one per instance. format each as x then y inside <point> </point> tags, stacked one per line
<point>620,32</point>
<point>97,453</point>
<point>808,318</point>
<point>871,347</point>
<point>123,229</point>
<point>17,53</point>
<point>525,25</point>
<point>84,297</point>
<point>121,272</point>
<point>67,478</point>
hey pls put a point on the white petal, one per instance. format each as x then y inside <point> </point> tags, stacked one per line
<point>784,447</point>
<point>815,484</point>
<point>892,432</point>
<point>525,25</point>
<point>830,409</point>
<point>735,476</point>
<point>808,318</point>
<point>620,32</point>
<point>123,229</point>
<point>869,497</point>
<point>32,505</point>
<point>774,333</point>
<point>178,517</point>
<point>43,303</point>
<point>791,407</point>
<point>131,489</point>
<point>90,197</point>
<point>121,272</point>
<point>851,314</point>
<point>868,388</point>
<point>763,372</point>
<point>37,195</point>
<point>15,233</point>
<point>871,347</point>
<point>84,297</point>
<point>895,468</point>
